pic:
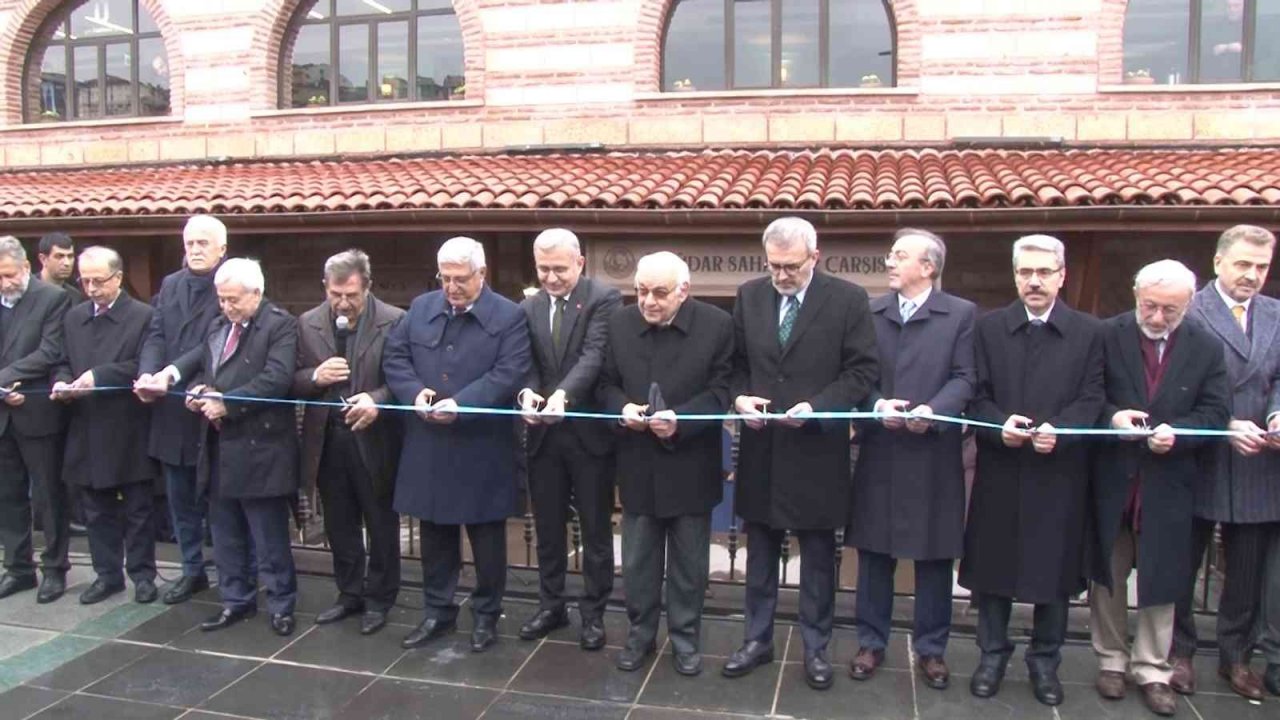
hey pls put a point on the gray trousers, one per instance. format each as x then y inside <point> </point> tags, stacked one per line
<point>1269,617</point>
<point>682,546</point>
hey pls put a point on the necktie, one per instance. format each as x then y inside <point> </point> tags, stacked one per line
<point>908,309</point>
<point>1160,350</point>
<point>788,318</point>
<point>557,317</point>
<point>99,310</point>
<point>233,341</point>
<point>1238,312</point>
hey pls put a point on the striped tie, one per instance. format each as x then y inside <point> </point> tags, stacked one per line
<point>788,318</point>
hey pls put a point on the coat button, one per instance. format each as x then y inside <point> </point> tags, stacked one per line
<point>781,379</point>
<point>444,376</point>
<point>448,348</point>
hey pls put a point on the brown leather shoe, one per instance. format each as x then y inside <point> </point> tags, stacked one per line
<point>865,663</point>
<point>934,669</point>
<point>1183,680</point>
<point>1111,684</point>
<point>1243,680</point>
<point>1160,698</point>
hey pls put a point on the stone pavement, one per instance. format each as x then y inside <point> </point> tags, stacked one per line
<point>122,660</point>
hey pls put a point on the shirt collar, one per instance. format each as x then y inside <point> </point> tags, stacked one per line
<point>1230,301</point>
<point>918,300</point>
<point>1042,318</point>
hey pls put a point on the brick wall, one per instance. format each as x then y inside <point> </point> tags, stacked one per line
<point>546,72</point>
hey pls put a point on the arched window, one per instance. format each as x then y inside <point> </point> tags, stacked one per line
<point>752,44</point>
<point>97,59</point>
<point>1169,42</point>
<point>366,51</point>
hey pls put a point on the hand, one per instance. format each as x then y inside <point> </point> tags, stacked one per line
<point>663,424</point>
<point>1134,420</point>
<point>361,412</point>
<point>193,401</point>
<point>422,403</point>
<point>150,388</point>
<point>213,407</point>
<point>1273,428</point>
<point>1015,432</point>
<point>918,422</point>
<point>1250,444</point>
<point>633,417</point>
<point>754,406</point>
<point>530,402</point>
<point>332,371</point>
<point>83,384</point>
<point>444,412</point>
<point>1161,440</point>
<point>1045,439</point>
<point>892,406</point>
<point>61,391</point>
<point>12,397</point>
<point>794,413</point>
<point>554,411</point>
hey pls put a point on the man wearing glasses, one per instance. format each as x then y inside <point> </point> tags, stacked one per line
<point>1039,368</point>
<point>803,343</point>
<point>460,346</point>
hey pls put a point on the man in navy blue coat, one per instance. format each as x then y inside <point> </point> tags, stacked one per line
<point>463,345</point>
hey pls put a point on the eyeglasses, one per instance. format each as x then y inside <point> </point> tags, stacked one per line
<point>98,282</point>
<point>658,293</point>
<point>1042,273</point>
<point>896,256</point>
<point>788,268</point>
<point>1168,312</point>
<point>456,281</point>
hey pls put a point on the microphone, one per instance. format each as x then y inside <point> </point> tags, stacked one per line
<point>340,335</point>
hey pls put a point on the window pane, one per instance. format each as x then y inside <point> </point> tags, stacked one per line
<point>119,79</point>
<point>1155,40</point>
<point>393,61</point>
<point>693,51</point>
<point>353,63</point>
<point>311,69</point>
<point>319,10</point>
<point>1266,51</point>
<point>752,44</point>
<point>860,44</point>
<point>153,77</point>
<point>85,62</point>
<point>372,7</point>
<point>1221,41</point>
<point>146,23</point>
<point>439,57</point>
<point>100,18</point>
<point>53,84</point>
<point>435,4</point>
<point>800,33</point>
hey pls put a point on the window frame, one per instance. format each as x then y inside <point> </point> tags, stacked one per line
<point>775,49</point>
<point>1195,17</point>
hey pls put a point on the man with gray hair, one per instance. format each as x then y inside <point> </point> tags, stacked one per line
<point>569,462</point>
<point>31,313</point>
<point>351,452</point>
<point>461,346</point>
<point>1161,374</point>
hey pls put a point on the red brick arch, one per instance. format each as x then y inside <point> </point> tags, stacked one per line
<point>652,25</point>
<point>269,41</point>
<point>17,36</point>
<point>1111,41</point>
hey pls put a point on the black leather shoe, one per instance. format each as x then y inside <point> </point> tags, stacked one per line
<point>282,624</point>
<point>484,634</point>
<point>52,587</point>
<point>592,637</point>
<point>100,590</point>
<point>1272,679</point>
<point>427,630</point>
<point>372,621</point>
<point>76,529</point>
<point>747,658</point>
<point>187,586</point>
<point>228,617</point>
<point>818,673</point>
<point>1047,687</point>
<point>632,658</point>
<point>542,623</point>
<point>338,612</point>
<point>688,664</point>
<point>986,680</point>
<point>10,584</point>
<point>145,592</point>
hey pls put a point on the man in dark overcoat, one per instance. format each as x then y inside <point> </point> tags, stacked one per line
<point>1238,487</point>
<point>803,341</point>
<point>908,486</point>
<point>461,346</point>
<point>1161,373</point>
<point>351,453</point>
<point>31,427</point>
<point>106,452</point>
<point>184,307</point>
<point>669,356</point>
<point>248,460</point>
<point>569,461</point>
<point>1039,368</point>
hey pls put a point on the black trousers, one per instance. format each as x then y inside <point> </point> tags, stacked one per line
<point>442,562</point>
<point>351,505</point>
<point>1049,630</point>
<point>1239,608</point>
<point>563,473</point>
<point>119,521</point>
<point>817,584</point>
<point>31,479</point>
<point>680,546</point>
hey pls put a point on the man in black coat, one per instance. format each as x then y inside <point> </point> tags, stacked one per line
<point>570,461</point>
<point>669,356</point>
<point>248,453</point>
<point>57,255</point>
<point>1161,374</point>
<point>31,314</point>
<point>1039,368</point>
<point>803,341</point>
<point>184,308</point>
<point>106,453</point>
